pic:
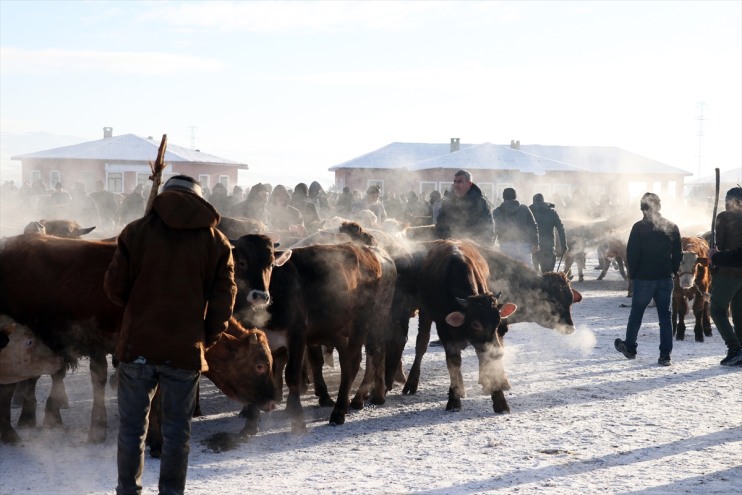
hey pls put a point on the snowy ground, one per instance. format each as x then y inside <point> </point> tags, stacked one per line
<point>584,420</point>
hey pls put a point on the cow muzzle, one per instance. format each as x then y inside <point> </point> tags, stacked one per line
<point>565,329</point>
<point>258,298</point>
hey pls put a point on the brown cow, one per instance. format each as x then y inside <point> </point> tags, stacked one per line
<point>317,295</point>
<point>455,295</point>
<point>240,365</point>
<point>692,284</point>
<point>22,354</point>
<point>55,286</point>
<point>544,299</point>
<point>236,227</point>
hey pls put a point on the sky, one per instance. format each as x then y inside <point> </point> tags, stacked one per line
<point>293,88</point>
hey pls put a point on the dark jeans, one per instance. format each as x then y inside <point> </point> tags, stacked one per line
<point>136,387</point>
<point>544,261</point>
<point>726,294</point>
<point>642,294</point>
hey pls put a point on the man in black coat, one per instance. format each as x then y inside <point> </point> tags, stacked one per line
<point>465,214</point>
<point>547,220</point>
<point>653,255</point>
<point>515,228</point>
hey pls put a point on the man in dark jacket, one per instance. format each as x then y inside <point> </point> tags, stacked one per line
<point>173,272</point>
<point>653,255</point>
<point>547,220</point>
<point>726,285</point>
<point>515,228</point>
<point>465,214</point>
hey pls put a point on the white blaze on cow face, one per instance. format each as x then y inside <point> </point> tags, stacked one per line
<point>24,355</point>
<point>687,269</point>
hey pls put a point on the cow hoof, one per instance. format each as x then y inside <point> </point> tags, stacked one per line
<point>337,418</point>
<point>409,388</point>
<point>707,332</point>
<point>155,452</point>
<point>453,405</point>
<point>250,429</point>
<point>699,337</point>
<point>499,404</point>
<point>10,437</point>
<point>378,401</point>
<point>356,403</point>
<point>96,435</point>
<point>298,427</point>
<point>52,419</point>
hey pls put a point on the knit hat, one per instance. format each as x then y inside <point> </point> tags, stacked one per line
<point>373,190</point>
<point>734,193</point>
<point>538,198</point>
<point>508,193</point>
<point>183,182</point>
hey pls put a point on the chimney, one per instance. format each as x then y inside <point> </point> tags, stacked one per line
<point>515,144</point>
<point>455,144</point>
<point>107,132</point>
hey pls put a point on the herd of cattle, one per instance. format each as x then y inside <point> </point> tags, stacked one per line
<point>345,289</point>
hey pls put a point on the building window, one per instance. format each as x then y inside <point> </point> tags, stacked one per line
<point>427,187</point>
<point>55,177</point>
<point>488,190</point>
<point>375,182</point>
<point>115,182</point>
<point>204,180</point>
<point>142,178</point>
<point>35,176</point>
<point>224,180</point>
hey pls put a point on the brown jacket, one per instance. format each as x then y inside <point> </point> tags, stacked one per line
<point>174,273</point>
<point>729,236</point>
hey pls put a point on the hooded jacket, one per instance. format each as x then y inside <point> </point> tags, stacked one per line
<point>173,272</point>
<point>514,222</point>
<point>547,219</point>
<point>729,236</point>
<point>468,217</point>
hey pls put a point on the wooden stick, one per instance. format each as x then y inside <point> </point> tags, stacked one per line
<point>716,206</point>
<point>157,167</point>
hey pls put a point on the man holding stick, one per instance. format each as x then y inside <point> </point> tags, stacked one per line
<point>726,285</point>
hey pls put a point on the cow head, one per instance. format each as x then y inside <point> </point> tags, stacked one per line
<point>24,355</point>
<point>481,317</point>
<point>687,270</point>
<point>254,258</point>
<point>68,229</point>
<point>240,364</point>
<point>551,304</point>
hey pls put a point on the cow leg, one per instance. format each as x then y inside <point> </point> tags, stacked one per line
<point>706,317</point>
<point>280,358</point>
<point>492,375</point>
<point>682,309</point>
<point>27,418</point>
<point>20,394</point>
<point>581,262</point>
<point>52,416</point>
<point>621,269</point>
<point>421,346</point>
<point>373,378</point>
<point>297,345</point>
<point>456,391</point>
<point>252,417</point>
<point>350,362</point>
<point>316,360</point>
<point>98,416</point>
<point>604,270</point>
<point>7,433</point>
<point>394,349</point>
<point>698,305</point>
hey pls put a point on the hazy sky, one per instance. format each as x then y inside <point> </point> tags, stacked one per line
<point>292,88</point>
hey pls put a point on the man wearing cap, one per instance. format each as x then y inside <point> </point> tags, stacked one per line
<point>465,214</point>
<point>653,255</point>
<point>515,228</point>
<point>173,273</point>
<point>726,283</point>
<point>371,202</point>
<point>547,220</point>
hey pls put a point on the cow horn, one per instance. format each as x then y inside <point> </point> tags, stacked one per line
<point>463,302</point>
<point>497,296</point>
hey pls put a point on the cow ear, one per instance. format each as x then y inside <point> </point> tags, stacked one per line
<point>8,329</point>
<point>507,309</point>
<point>455,319</point>
<point>703,261</point>
<point>82,232</point>
<point>283,258</point>
<point>576,296</point>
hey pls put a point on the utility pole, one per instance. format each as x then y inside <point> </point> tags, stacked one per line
<point>701,118</point>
